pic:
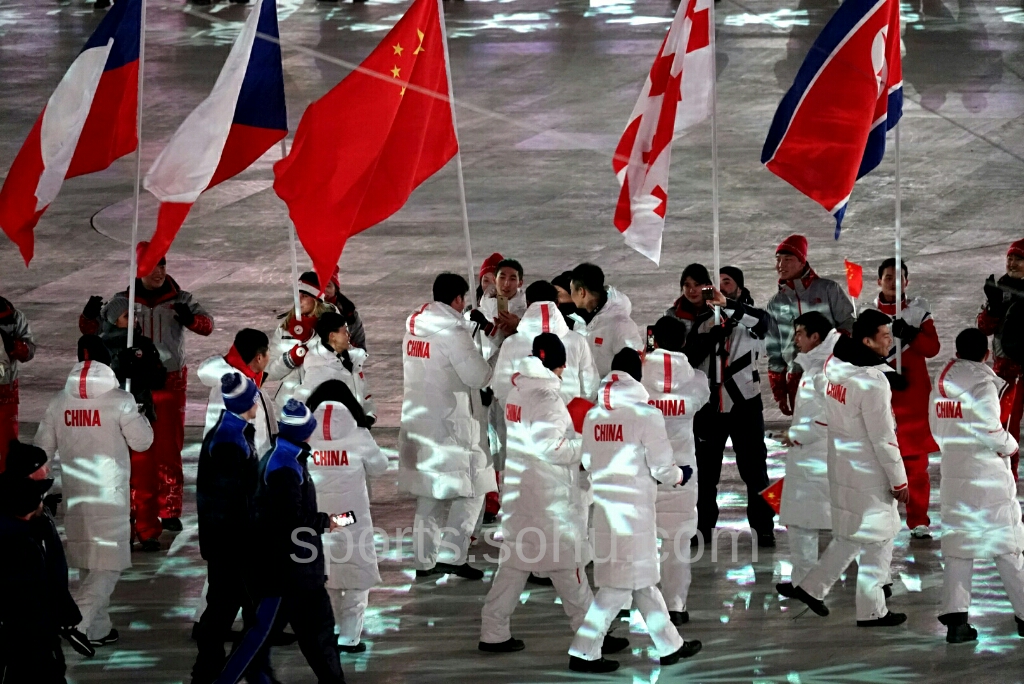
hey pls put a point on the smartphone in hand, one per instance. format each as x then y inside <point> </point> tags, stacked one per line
<point>343,519</point>
<point>650,338</point>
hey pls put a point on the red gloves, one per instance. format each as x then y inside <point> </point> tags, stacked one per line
<point>578,408</point>
<point>301,328</point>
<point>296,355</point>
<point>780,390</point>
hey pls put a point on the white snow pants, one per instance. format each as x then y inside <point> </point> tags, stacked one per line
<point>571,586</point>
<point>803,552</point>
<point>873,560</point>
<point>93,599</point>
<point>463,513</point>
<point>675,578</point>
<point>606,605</point>
<point>958,573</point>
<point>349,607</point>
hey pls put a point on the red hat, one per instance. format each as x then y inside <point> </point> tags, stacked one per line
<point>490,264</point>
<point>1017,249</point>
<point>795,245</point>
<point>309,284</point>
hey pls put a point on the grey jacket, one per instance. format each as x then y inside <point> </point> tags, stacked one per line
<point>796,297</point>
<point>15,326</point>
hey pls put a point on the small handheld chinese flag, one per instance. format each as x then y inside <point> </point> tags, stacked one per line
<point>854,278</point>
<point>773,495</point>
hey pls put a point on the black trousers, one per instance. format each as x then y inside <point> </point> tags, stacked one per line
<point>35,661</point>
<point>745,424</point>
<point>309,612</point>
<point>231,588</point>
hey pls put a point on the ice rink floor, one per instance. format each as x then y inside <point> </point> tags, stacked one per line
<point>544,89</point>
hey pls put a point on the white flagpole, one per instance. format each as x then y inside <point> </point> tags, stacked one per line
<point>294,250</point>
<point>458,154</point>
<point>714,156</point>
<point>132,260</point>
<point>898,271</point>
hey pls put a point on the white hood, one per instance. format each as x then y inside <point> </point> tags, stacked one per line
<point>213,369</point>
<point>333,422</point>
<point>619,390</point>
<point>617,303</point>
<point>432,318</point>
<point>90,380</point>
<point>673,366</point>
<point>962,377</point>
<point>531,374</point>
<point>542,317</point>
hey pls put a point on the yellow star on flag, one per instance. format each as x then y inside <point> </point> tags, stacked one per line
<point>419,48</point>
<point>395,71</point>
<point>398,49</point>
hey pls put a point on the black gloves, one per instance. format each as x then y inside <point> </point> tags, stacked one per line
<point>478,317</point>
<point>92,309</point>
<point>486,396</point>
<point>687,474</point>
<point>183,314</point>
<point>8,342</point>
<point>51,501</point>
<point>994,295</point>
<point>904,331</point>
<point>897,382</point>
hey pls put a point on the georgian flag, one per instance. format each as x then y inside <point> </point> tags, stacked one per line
<point>676,95</point>
<point>88,122</point>
<point>829,129</point>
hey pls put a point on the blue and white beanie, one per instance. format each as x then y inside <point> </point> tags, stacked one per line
<point>239,392</point>
<point>297,422</point>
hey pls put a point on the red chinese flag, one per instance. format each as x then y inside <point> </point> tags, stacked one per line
<point>854,278</point>
<point>773,495</point>
<point>578,409</point>
<point>362,148</point>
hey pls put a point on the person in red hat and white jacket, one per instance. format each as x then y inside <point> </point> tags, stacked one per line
<point>1007,340</point>
<point>800,290</point>
<point>288,346</point>
<point>18,346</point>
<point>919,341</point>
<point>163,313</point>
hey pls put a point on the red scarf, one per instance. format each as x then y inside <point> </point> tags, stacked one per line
<point>234,359</point>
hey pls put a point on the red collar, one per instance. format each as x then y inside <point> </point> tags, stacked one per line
<point>888,308</point>
<point>234,359</point>
<point>806,278</point>
<point>167,292</point>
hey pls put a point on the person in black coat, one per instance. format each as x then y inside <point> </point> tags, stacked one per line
<point>225,492</point>
<point>36,606</point>
<point>290,526</point>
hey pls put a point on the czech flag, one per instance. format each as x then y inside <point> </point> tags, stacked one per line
<point>87,123</point>
<point>829,129</point>
<point>243,117</point>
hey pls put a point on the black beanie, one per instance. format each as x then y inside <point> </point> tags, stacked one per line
<point>734,273</point>
<point>550,350</point>
<point>628,361</point>
<point>21,495</point>
<point>23,459</point>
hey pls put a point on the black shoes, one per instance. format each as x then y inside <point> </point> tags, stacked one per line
<point>111,638</point>
<point>1020,626</point>
<point>465,571</point>
<point>789,591</point>
<point>430,572</point>
<point>361,646</point>
<point>688,649</point>
<point>489,518</point>
<point>78,641</point>
<point>958,631</point>
<point>171,524</point>
<point>150,545</point>
<point>601,666</point>
<point>614,644</point>
<point>890,619</point>
<point>678,617</point>
<point>539,581</point>
<point>509,646</point>
<point>102,4</point>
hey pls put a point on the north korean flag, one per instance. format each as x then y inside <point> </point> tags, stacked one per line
<point>88,122</point>
<point>829,129</point>
<point>242,118</point>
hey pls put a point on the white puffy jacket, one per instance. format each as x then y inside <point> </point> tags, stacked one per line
<point>439,440</point>
<point>611,330</point>
<point>91,425</point>
<point>343,455</point>
<point>543,524</point>
<point>864,463</point>
<point>805,493</point>
<point>490,344</point>
<point>626,450</point>
<point>678,391</point>
<point>580,378</point>
<point>979,495</point>
<point>322,364</point>
<point>210,372</point>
